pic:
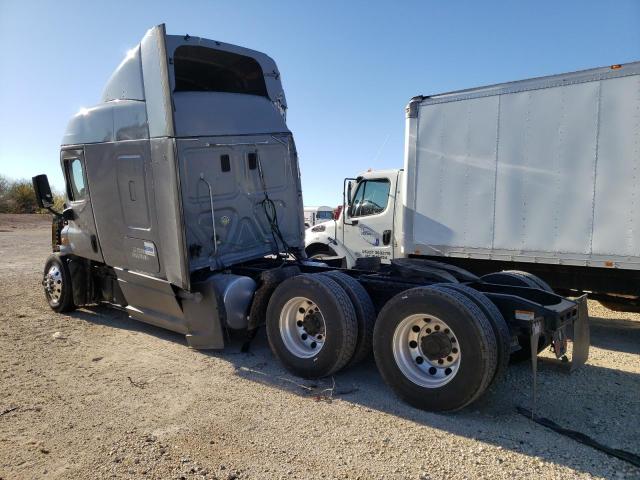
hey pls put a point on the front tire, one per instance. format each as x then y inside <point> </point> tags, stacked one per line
<point>57,284</point>
<point>435,348</point>
<point>311,326</point>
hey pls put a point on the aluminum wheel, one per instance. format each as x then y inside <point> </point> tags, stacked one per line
<point>52,283</point>
<point>302,327</point>
<point>426,350</point>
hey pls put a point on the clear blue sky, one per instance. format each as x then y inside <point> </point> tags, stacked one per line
<point>349,68</point>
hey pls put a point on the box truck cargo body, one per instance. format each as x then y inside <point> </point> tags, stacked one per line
<point>542,170</point>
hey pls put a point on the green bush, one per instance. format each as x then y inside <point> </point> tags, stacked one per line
<point>18,196</point>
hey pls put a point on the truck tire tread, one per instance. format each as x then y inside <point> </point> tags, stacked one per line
<point>475,330</point>
<point>500,328</point>
<point>523,279</point>
<point>66,298</point>
<point>332,299</point>
<point>534,278</point>
<point>365,314</point>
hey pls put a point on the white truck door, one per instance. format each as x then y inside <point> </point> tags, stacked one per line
<point>368,221</point>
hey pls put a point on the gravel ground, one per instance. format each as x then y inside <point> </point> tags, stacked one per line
<point>97,395</point>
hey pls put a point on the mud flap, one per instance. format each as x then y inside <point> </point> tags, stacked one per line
<point>581,341</point>
<point>534,337</point>
<point>202,317</point>
<point>581,335</point>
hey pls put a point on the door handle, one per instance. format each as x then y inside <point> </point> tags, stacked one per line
<point>386,237</point>
<point>94,243</point>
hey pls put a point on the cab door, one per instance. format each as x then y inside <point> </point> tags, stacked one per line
<point>368,221</point>
<point>80,231</point>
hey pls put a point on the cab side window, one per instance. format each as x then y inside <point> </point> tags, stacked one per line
<point>75,179</point>
<point>371,198</point>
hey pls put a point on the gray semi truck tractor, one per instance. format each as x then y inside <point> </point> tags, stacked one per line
<point>184,209</point>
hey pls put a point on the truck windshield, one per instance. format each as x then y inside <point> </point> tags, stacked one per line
<point>371,198</point>
<point>202,69</point>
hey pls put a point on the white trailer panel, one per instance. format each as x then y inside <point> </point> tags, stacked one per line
<point>617,186</point>
<point>542,170</point>
<point>455,172</point>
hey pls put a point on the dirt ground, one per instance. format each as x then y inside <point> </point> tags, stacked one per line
<point>94,394</point>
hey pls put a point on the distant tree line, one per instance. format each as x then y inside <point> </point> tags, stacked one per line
<point>18,196</point>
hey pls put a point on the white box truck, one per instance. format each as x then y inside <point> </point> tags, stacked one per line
<point>539,175</point>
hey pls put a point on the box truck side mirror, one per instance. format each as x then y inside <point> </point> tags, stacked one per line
<point>41,187</point>
<point>347,191</point>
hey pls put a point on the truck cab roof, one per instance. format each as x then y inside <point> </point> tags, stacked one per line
<point>379,173</point>
<point>170,85</point>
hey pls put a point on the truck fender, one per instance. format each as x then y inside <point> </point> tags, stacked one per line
<point>315,241</point>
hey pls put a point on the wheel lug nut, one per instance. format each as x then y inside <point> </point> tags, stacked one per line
<point>301,310</point>
<point>440,361</point>
<point>415,328</point>
<point>454,350</point>
<point>453,340</point>
<point>446,330</point>
<point>419,360</point>
<point>437,327</point>
<point>449,359</point>
<point>433,370</point>
<point>427,320</point>
<point>447,371</point>
<point>313,344</point>
<point>304,336</point>
<point>413,344</point>
<point>299,323</point>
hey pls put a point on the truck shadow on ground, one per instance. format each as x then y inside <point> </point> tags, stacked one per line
<point>615,334</point>
<point>599,402</point>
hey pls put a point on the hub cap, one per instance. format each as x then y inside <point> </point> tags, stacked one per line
<point>302,327</point>
<point>52,283</point>
<point>426,350</point>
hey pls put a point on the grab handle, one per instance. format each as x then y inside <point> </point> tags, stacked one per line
<point>213,215</point>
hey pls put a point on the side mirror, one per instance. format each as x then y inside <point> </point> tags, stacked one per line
<point>349,188</point>
<point>41,187</point>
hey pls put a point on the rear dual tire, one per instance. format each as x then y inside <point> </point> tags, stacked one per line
<point>498,324</point>
<point>365,314</point>
<point>436,347</point>
<point>312,326</point>
<point>443,368</point>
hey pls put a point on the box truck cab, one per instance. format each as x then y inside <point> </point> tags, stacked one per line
<point>369,225</point>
